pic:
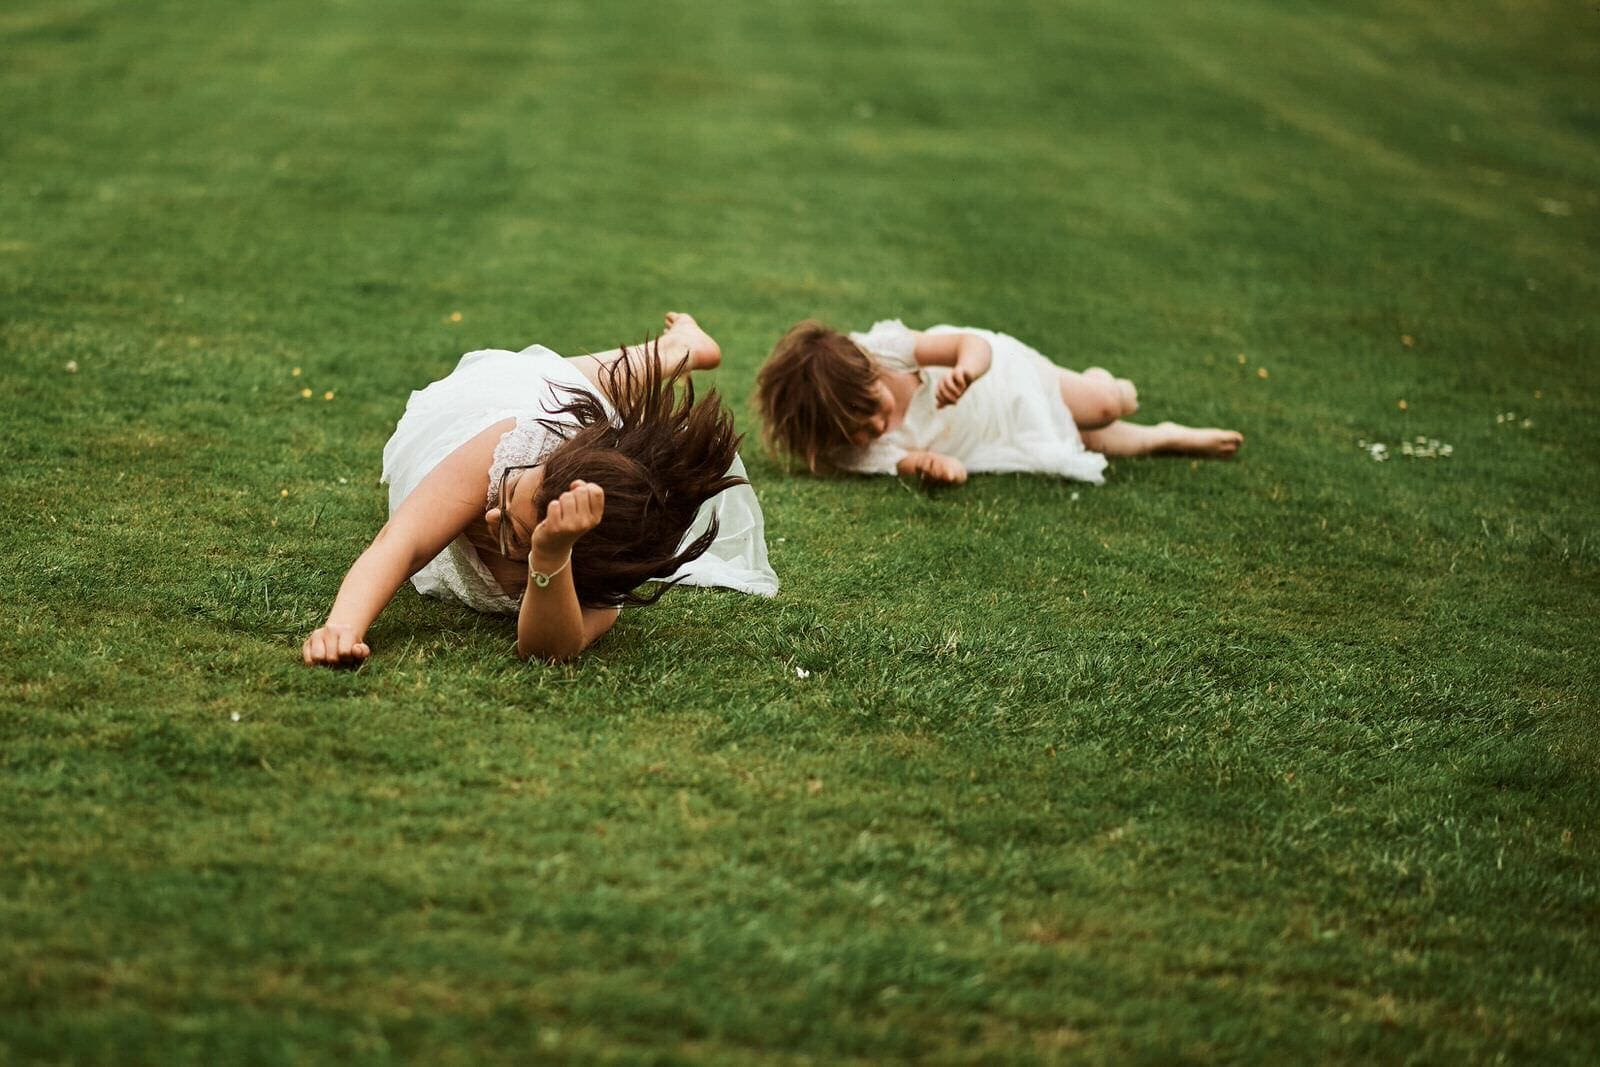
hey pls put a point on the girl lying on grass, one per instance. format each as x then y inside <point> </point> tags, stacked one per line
<point>942,402</point>
<point>550,489</point>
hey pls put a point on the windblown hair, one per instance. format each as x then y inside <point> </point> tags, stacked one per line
<point>814,392</point>
<point>663,455</point>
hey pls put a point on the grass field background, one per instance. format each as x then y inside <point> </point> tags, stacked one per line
<point>1288,759</point>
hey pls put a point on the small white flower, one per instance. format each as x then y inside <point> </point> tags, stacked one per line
<point>1527,424</point>
<point>1074,496</point>
<point>72,366</point>
<point>234,716</point>
<point>801,673</point>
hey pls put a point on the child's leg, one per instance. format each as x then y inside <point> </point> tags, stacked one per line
<point>1096,398</point>
<point>1131,439</point>
<point>682,342</point>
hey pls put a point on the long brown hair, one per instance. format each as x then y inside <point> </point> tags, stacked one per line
<point>814,392</point>
<point>663,455</point>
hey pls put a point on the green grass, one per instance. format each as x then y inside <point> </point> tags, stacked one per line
<point>1290,759</point>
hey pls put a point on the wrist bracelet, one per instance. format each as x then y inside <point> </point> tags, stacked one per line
<point>540,578</point>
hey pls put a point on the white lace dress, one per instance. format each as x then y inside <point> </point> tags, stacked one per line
<point>1011,419</point>
<point>494,384</point>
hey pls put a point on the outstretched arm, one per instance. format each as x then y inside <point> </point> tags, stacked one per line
<point>433,515</point>
<point>552,625</point>
<point>966,354</point>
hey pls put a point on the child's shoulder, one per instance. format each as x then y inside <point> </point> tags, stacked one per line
<point>887,328</point>
<point>890,340</point>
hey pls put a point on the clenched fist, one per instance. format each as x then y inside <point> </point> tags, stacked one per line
<point>569,516</point>
<point>952,387</point>
<point>334,646</point>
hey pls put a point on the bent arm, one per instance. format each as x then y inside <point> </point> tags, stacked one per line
<point>552,625</point>
<point>963,351</point>
<point>966,354</point>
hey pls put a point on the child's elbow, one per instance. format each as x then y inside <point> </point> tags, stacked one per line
<point>548,655</point>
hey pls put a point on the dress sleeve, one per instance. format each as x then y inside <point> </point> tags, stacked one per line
<point>891,344</point>
<point>880,457</point>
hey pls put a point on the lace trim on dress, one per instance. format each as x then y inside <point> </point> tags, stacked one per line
<point>526,442</point>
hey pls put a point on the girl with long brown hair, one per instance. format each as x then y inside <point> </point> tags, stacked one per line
<point>552,489</point>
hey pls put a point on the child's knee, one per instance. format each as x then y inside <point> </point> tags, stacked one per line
<point>1108,397</point>
<point>1106,402</point>
<point>1127,396</point>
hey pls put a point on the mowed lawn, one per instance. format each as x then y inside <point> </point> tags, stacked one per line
<point>1290,759</point>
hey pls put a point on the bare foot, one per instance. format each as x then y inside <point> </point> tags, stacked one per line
<point>704,353</point>
<point>1211,443</point>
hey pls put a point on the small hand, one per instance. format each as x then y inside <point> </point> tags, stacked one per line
<point>569,516</point>
<point>952,387</point>
<point>942,469</point>
<point>334,646</point>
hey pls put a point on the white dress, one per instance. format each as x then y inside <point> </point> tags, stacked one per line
<point>494,384</point>
<point>1010,419</point>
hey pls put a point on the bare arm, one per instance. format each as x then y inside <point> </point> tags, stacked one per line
<point>434,514</point>
<point>966,354</point>
<point>552,625</point>
<point>932,467</point>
